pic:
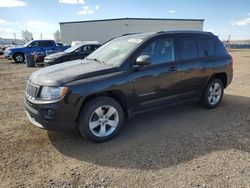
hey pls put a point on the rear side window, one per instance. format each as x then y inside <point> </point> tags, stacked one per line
<point>220,48</point>
<point>188,48</point>
<point>93,48</point>
<point>206,46</point>
<point>45,43</point>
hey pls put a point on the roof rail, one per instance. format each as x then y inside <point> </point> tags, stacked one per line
<point>129,34</point>
<point>185,31</point>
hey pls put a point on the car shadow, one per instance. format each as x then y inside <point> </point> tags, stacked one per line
<point>166,137</point>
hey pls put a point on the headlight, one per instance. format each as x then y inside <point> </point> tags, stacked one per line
<point>52,93</point>
<point>7,51</point>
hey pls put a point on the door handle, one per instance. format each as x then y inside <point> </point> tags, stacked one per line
<point>172,69</point>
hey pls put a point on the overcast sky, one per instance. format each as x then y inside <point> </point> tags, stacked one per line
<point>223,17</point>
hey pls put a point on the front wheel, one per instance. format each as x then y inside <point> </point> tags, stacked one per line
<point>100,119</point>
<point>213,94</point>
<point>18,58</point>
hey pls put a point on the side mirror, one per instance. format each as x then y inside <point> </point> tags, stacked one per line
<point>142,61</point>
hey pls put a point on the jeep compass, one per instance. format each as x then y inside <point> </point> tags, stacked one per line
<point>128,75</point>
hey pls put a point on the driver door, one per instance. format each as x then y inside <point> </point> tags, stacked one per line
<point>157,84</point>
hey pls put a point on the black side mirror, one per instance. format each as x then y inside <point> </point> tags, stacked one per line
<point>142,61</point>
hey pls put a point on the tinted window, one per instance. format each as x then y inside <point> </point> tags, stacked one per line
<point>188,48</point>
<point>34,44</point>
<point>160,51</point>
<point>206,46</point>
<point>220,48</point>
<point>45,43</point>
<point>86,48</point>
<point>93,48</point>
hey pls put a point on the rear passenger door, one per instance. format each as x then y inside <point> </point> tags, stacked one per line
<point>192,66</point>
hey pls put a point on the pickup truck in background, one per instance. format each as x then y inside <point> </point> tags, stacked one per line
<point>45,46</point>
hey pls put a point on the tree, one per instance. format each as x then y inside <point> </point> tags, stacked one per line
<point>57,36</point>
<point>27,36</point>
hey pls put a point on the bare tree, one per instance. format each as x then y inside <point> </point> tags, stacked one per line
<point>57,36</point>
<point>27,36</point>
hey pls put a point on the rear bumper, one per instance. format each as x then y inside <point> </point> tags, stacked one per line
<point>37,119</point>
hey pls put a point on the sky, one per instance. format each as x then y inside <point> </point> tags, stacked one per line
<point>222,17</point>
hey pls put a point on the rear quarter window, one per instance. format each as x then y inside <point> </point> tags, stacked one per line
<point>207,46</point>
<point>220,48</point>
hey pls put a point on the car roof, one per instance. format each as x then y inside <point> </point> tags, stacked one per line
<point>149,34</point>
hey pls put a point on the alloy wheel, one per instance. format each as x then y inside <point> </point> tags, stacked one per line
<point>214,93</point>
<point>103,121</point>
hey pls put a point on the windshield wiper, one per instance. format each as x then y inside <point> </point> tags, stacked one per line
<point>97,60</point>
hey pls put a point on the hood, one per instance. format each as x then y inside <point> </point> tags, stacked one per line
<point>56,55</point>
<point>63,73</point>
<point>14,48</point>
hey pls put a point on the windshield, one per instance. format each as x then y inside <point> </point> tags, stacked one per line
<point>27,44</point>
<point>115,51</point>
<point>71,49</point>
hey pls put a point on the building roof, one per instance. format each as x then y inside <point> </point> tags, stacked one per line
<point>119,19</point>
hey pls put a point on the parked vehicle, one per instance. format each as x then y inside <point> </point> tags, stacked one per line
<point>126,76</point>
<point>18,53</point>
<point>72,53</point>
<point>78,42</point>
<point>1,50</point>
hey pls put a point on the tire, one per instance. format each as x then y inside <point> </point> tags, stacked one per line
<point>213,94</point>
<point>94,121</point>
<point>18,58</point>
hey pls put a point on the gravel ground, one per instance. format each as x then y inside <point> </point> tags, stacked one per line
<point>180,146</point>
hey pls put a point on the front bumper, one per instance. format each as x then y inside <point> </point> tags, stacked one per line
<point>6,56</point>
<point>38,119</point>
<point>49,61</point>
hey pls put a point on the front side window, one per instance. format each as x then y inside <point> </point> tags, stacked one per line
<point>34,44</point>
<point>160,50</point>
<point>188,48</point>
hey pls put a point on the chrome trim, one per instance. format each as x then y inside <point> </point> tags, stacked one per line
<point>32,94</point>
<point>35,101</point>
<point>34,122</point>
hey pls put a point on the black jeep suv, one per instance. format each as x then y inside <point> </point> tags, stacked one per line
<point>128,75</point>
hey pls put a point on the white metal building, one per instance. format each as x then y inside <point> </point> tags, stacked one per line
<point>103,30</point>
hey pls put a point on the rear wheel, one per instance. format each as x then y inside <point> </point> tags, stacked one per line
<point>18,58</point>
<point>101,119</point>
<point>213,93</point>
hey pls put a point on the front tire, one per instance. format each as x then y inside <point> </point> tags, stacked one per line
<point>18,58</point>
<point>101,119</point>
<point>213,94</point>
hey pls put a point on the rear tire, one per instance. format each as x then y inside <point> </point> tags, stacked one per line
<point>101,119</point>
<point>213,94</point>
<point>18,58</point>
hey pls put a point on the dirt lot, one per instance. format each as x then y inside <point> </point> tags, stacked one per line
<point>181,146</point>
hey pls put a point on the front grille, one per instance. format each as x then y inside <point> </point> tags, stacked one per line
<point>31,91</point>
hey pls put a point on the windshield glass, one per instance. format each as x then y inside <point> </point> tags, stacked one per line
<point>71,49</point>
<point>115,51</point>
<point>27,44</point>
